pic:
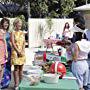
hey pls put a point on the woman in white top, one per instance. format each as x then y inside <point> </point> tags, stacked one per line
<point>79,52</point>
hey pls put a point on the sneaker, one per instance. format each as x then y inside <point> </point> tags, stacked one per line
<point>16,88</point>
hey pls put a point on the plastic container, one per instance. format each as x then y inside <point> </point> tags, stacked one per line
<point>51,78</point>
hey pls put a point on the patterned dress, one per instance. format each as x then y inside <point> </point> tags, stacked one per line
<point>2,48</point>
<point>7,71</point>
<point>19,39</point>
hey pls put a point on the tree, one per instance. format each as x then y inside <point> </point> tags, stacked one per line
<point>10,7</point>
<point>51,8</point>
<point>67,7</point>
<point>54,8</point>
<point>42,8</point>
<point>81,2</point>
<point>39,8</point>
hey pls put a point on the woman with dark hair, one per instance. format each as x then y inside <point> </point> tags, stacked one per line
<point>66,32</point>
<point>5,23</point>
<point>79,53</point>
<point>79,24</point>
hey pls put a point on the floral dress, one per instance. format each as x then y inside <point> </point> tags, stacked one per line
<point>19,39</point>
<point>7,70</point>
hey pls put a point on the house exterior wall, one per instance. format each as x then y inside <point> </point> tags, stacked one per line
<point>87,18</point>
<point>34,36</point>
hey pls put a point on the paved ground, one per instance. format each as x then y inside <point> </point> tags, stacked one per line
<point>10,88</point>
<point>11,85</point>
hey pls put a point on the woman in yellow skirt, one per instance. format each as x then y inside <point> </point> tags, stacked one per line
<point>18,51</point>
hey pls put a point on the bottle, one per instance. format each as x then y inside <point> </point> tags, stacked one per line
<point>44,56</point>
<point>60,51</point>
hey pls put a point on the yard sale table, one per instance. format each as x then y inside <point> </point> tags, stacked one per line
<point>63,84</point>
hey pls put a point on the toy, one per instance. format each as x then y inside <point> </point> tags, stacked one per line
<point>46,67</point>
<point>58,68</point>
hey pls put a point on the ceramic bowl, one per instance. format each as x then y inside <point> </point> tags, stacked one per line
<point>50,78</point>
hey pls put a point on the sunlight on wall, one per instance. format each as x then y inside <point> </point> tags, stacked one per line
<point>57,27</point>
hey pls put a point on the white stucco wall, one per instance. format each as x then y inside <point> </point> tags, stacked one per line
<point>34,38</point>
<point>87,19</point>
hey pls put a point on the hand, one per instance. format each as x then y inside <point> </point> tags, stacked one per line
<point>20,53</point>
<point>6,54</point>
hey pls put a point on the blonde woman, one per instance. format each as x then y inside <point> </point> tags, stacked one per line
<point>18,51</point>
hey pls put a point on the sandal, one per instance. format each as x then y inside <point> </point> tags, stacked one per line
<point>16,88</point>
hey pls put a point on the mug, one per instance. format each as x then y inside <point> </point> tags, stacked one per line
<point>60,51</point>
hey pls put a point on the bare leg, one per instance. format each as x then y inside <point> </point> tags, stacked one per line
<point>16,75</point>
<point>20,72</point>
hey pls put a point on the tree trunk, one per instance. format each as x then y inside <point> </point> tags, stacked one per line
<point>29,15</point>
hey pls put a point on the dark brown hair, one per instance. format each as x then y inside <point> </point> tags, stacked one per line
<point>65,25</point>
<point>81,26</point>
<point>5,20</point>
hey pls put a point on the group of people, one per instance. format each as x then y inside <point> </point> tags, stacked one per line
<point>12,52</point>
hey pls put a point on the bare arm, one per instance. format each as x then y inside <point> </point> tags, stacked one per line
<point>75,52</point>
